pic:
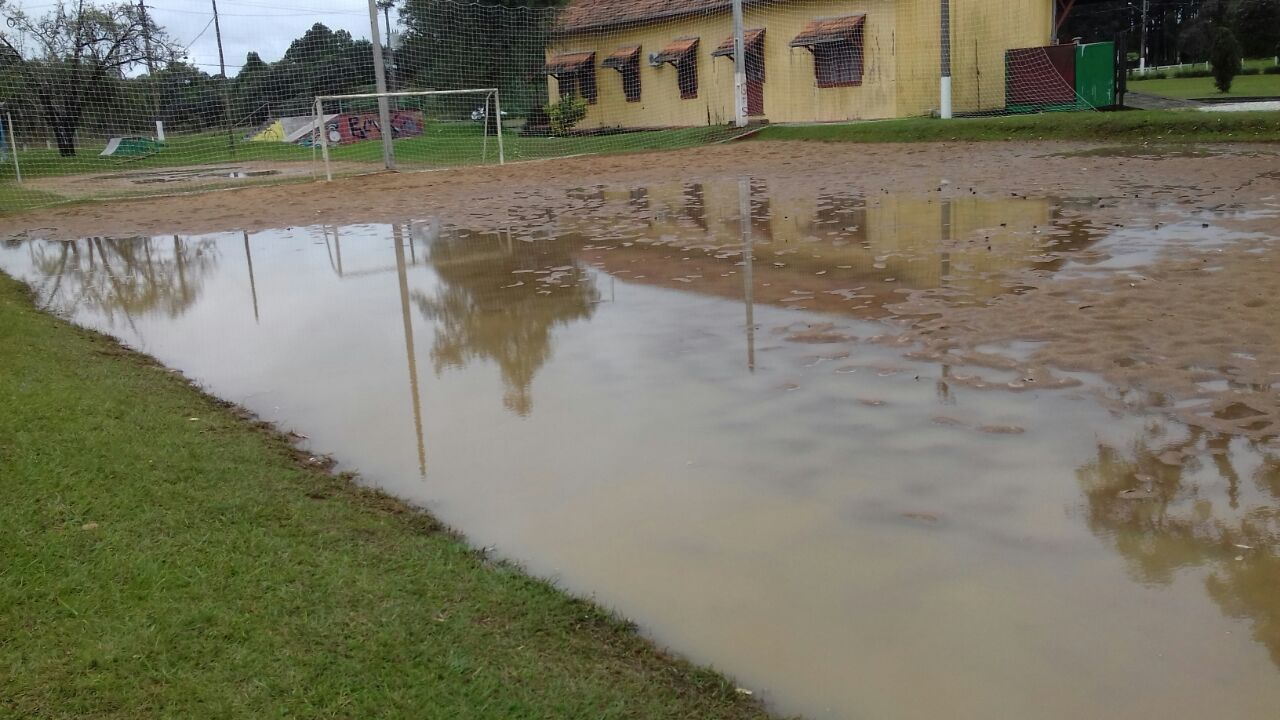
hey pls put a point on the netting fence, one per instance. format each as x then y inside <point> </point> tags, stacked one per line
<point>100,100</point>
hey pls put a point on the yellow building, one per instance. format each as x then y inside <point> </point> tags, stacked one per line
<point>669,63</point>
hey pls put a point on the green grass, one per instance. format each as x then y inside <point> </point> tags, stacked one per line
<point>443,144</point>
<point>163,556</point>
<point>1184,88</point>
<point>1130,126</point>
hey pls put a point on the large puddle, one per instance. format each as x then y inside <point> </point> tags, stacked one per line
<point>706,425</point>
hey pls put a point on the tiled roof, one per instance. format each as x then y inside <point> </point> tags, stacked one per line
<point>569,62</point>
<point>583,15</point>
<point>677,50</point>
<point>624,56</point>
<point>838,29</point>
<point>749,39</point>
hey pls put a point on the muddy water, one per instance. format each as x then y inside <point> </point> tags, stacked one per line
<point>709,426</point>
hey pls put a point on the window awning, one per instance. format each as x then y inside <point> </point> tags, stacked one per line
<point>677,51</point>
<point>624,57</point>
<point>830,30</point>
<point>751,40</point>
<point>569,63</point>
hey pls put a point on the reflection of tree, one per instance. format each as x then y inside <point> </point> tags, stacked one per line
<point>486,309</point>
<point>129,276</point>
<point>1158,516</point>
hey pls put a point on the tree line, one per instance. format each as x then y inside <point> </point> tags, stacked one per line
<point>99,70</point>
<point>1179,31</point>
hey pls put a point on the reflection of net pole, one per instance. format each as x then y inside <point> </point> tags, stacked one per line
<point>380,80</point>
<point>944,107</point>
<point>396,233</point>
<point>744,213</point>
<point>253,287</point>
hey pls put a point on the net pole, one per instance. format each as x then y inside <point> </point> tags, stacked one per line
<point>497,108</point>
<point>380,81</point>
<point>944,102</point>
<point>739,68</point>
<point>324,139</point>
<point>13,148</point>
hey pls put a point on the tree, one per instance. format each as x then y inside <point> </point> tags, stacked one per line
<point>1258,27</point>
<point>78,49</point>
<point>1225,58</point>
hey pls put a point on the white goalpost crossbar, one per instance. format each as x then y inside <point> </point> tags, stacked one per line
<point>321,130</point>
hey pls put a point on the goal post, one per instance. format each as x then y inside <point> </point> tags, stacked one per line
<point>343,119</point>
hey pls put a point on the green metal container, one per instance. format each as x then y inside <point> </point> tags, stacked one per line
<point>1096,74</point>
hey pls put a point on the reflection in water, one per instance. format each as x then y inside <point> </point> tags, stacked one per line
<point>754,505</point>
<point>499,299</point>
<point>1167,505</point>
<point>122,276</point>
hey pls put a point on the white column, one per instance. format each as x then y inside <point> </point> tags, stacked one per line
<point>380,79</point>
<point>739,68</point>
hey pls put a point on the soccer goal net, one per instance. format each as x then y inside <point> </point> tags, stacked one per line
<point>412,129</point>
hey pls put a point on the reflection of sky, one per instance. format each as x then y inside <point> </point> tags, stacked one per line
<point>850,559</point>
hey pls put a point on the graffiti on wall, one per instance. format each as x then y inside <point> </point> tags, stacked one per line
<point>354,127</point>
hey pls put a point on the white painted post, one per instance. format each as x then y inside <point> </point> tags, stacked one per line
<point>944,107</point>
<point>324,139</point>
<point>497,108</point>
<point>160,130</point>
<point>739,68</point>
<point>380,82</point>
<point>13,148</point>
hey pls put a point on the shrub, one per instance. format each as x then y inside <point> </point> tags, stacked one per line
<point>1193,73</point>
<point>1273,70</point>
<point>566,113</point>
<point>1250,71</point>
<point>1225,58</point>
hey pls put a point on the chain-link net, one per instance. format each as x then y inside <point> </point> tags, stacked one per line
<point>99,100</point>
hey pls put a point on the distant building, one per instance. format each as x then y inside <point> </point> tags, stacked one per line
<point>669,63</point>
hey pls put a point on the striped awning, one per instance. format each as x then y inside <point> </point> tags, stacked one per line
<point>751,40</point>
<point>677,51</point>
<point>624,57</point>
<point>570,62</point>
<point>830,30</point>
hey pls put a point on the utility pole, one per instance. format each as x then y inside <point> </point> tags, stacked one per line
<point>739,68</point>
<point>226,92</point>
<point>380,80</point>
<point>944,102</point>
<point>1142,42</point>
<point>151,69</point>
<point>385,6</point>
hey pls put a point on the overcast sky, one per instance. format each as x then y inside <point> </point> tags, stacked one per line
<point>266,26</point>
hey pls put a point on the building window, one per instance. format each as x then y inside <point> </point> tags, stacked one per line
<point>838,64</point>
<point>626,60</point>
<point>631,83</point>
<point>683,54</point>
<point>836,44</point>
<point>575,75</point>
<point>687,77</point>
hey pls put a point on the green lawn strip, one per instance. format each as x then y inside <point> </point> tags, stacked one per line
<point>442,144</point>
<point>1132,126</point>
<point>161,555</point>
<point>1203,87</point>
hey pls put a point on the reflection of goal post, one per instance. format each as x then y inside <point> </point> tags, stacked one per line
<point>339,119</point>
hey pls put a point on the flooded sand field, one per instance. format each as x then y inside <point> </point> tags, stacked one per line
<point>937,452</point>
